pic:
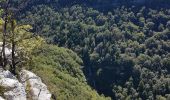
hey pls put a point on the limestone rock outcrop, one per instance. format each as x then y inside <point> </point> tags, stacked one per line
<point>38,90</point>
<point>18,90</point>
<point>1,98</point>
<point>14,90</point>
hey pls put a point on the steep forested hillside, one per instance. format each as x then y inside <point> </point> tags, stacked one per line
<point>60,69</point>
<point>22,48</point>
<point>125,51</point>
<point>124,46</point>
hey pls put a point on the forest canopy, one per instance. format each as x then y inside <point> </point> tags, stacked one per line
<point>123,46</point>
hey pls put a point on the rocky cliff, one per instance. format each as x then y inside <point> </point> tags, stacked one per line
<point>27,86</point>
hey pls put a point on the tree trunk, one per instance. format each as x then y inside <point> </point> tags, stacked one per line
<point>13,67</point>
<point>4,60</point>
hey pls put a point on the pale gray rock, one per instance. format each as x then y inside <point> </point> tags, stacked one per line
<point>1,98</point>
<point>14,89</point>
<point>18,93</point>
<point>6,74</point>
<point>7,52</point>
<point>38,89</point>
<point>8,83</point>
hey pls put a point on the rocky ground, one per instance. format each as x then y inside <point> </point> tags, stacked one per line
<point>27,87</point>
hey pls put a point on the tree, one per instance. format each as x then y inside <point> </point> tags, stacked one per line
<point>23,43</point>
<point>5,7</point>
<point>111,45</point>
<point>10,11</point>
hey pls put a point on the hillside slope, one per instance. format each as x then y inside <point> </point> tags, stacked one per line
<point>60,69</point>
<point>126,51</point>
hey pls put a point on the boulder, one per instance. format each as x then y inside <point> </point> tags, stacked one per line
<point>18,93</point>
<point>8,83</point>
<point>7,52</point>
<point>1,98</point>
<point>38,90</point>
<point>14,90</point>
<point>6,74</point>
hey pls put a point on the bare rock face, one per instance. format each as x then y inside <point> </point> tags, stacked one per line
<point>17,93</point>
<point>6,74</point>
<point>7,50</point>
<point>8,83</point>
<point>1,98</point>
<point>38,90</point>
<point>14,89</point>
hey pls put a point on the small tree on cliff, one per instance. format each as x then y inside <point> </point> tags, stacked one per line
<point>23,42</point>
<point>16,35</point>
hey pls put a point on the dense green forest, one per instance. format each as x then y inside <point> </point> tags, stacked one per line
<point>120,48</point>
<point>60,69</point>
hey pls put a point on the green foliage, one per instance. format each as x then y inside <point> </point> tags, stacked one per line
<point>22,42</point>
<point>60,69</point>
<point>2,91</point>
<point>125,51</point>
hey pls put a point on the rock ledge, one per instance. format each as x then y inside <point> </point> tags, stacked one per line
<point>29,84</point>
